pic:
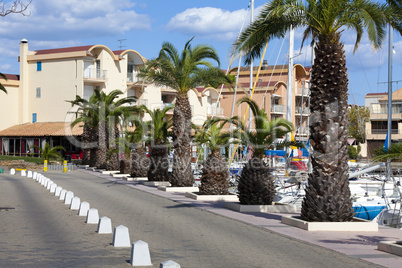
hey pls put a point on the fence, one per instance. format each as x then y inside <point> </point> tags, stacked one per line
<point>70,166</point>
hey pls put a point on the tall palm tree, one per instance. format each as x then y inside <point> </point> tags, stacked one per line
<point>2,88</point>
<point>256,185</point>
<point>48,153</point>
<point>328,195</point>
<point>158,134</point>
<point>215,171</point>
<point>182,72</point>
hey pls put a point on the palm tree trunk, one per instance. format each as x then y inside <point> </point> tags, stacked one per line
<point>113,161</point>
<point>256,186</point>
<point>86,139</point>
<point>125,167</point>
<point>215,175</point>
<point>182,174</point>
<point>328,194</point>
<point>139,163</point>
<point>158,170</point>
<point>94,149</point>
<point>101,152</point>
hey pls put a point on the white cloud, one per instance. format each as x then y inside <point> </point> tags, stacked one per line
<point>210,22</point>
<point>74,19</point>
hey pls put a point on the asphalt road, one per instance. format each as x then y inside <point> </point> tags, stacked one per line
<point>42,232</point>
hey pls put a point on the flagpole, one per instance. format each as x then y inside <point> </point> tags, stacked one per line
<point>389,121</point>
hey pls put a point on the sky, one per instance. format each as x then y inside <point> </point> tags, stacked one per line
<point>143,25</point>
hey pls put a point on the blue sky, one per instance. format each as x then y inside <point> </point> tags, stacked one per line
<point>145,24</point>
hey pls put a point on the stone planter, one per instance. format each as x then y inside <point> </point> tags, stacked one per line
<point>156,183</point>
<point>118,175</point>
<point>196,196</point>
<point>274,208</point>
<point>140,179</point>
<point>393,247</point>
<point>178,189</point>
<point>357,225</point>
<point>109,172</point>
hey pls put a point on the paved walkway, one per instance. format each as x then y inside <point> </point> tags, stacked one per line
<point>42,232</point>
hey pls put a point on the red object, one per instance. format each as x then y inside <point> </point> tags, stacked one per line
<point>301,166</point>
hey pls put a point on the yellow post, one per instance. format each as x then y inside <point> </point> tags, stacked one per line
<point>65,166</point>
<point>45,166</point>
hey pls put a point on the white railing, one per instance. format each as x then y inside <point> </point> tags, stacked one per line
<point>302,110</point>
<point>278,109</point>
<point>302,91</point>
<point>166,104</point>
<point>95,74</point>
<point>302,131</point>
<point>214,110</point>
<point>142,102</point>
<point>382,108</point>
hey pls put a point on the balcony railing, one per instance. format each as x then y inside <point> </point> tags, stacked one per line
<point>95,74</point>
<point>278,109</point>
<point>302,131</point>
<point>142,102</point>
<point>132,78</point>
<point>300,110</point>
<point>166,104</point>
<point>302,91</point>
<point>380,108</point>
<point>384,131</point>
<point>214,110</point>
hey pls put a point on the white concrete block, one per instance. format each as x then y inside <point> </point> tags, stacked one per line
<point>53,188</point>
<point>140,254</point>
<point>75,203</point>
<point>12,171</point>
<point>23,173</point>
<point>93,216</point>
<point>62,195</point>
<point>84,207</point>
<point>105,225</point>
<point>29,174</point>
<point>44,181</point>
<point>169,264</point>
<point>121,237</point>
<point>68,198</point>
<point>57,191</point>
<point>34,175</point>
<point>48,184</point>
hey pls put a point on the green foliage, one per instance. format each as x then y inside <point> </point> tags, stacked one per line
<point>392,153</point>
<point>358,116</point>
<point>187,70</point>
<point>2,88</point>
<point>157,129</point>
<point>352,152</point>
<point>48,153</point>
<point>36,160</point>
<point>266,132</point>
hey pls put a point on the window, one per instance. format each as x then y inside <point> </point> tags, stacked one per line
<point>38,93</point>
<point>39,66</point>
<point>34,117</point>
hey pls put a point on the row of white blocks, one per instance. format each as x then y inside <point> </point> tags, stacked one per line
<point>140,255</point>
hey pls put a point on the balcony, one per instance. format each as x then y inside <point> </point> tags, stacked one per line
<point>95,76</point>
<point>216,111</point>
<point>132,78</point>
<point>140,102</point>
<point>384,131</point>
<point>302,91</point>
<point>303,131</point>
<point>302,110</point>
<point>278,109</point>
<point>380,111</point>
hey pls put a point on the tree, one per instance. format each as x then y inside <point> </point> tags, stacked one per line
<point>392,153</point>
<point>215,171</point>
<point>256,186</point>
<point>101,115</point>
<point>139,162</point>
<point>158,138</point>
<point>48,153</point>
<point>358,116</point>
<point>328,195</point>
<point>183,72</point>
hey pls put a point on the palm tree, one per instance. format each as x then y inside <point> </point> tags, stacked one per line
<point>328,195</point>
<point>139,160</point>
<point>215,171</point>
<point>183,72</point>
<point>2,88</point>
<point>391,153</point>
<point>48,153</point>
<point>256,185</point>
<point>101,115</point>
<point>123,146</point>
<point>158,134</point>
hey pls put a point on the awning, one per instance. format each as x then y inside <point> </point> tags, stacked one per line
<point>43,129</point>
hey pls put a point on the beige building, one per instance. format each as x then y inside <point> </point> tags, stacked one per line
<point>50,77</point>
<point>271,94</point>
<point>376,129</point>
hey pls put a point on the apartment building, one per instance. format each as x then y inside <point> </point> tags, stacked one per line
<point>270,93</point>
<point>50,77</point>
<point>376,128</point>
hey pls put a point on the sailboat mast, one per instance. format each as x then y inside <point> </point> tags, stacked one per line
<point>289,90</point>
<point>389,121</point>
<point>251,65</point>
